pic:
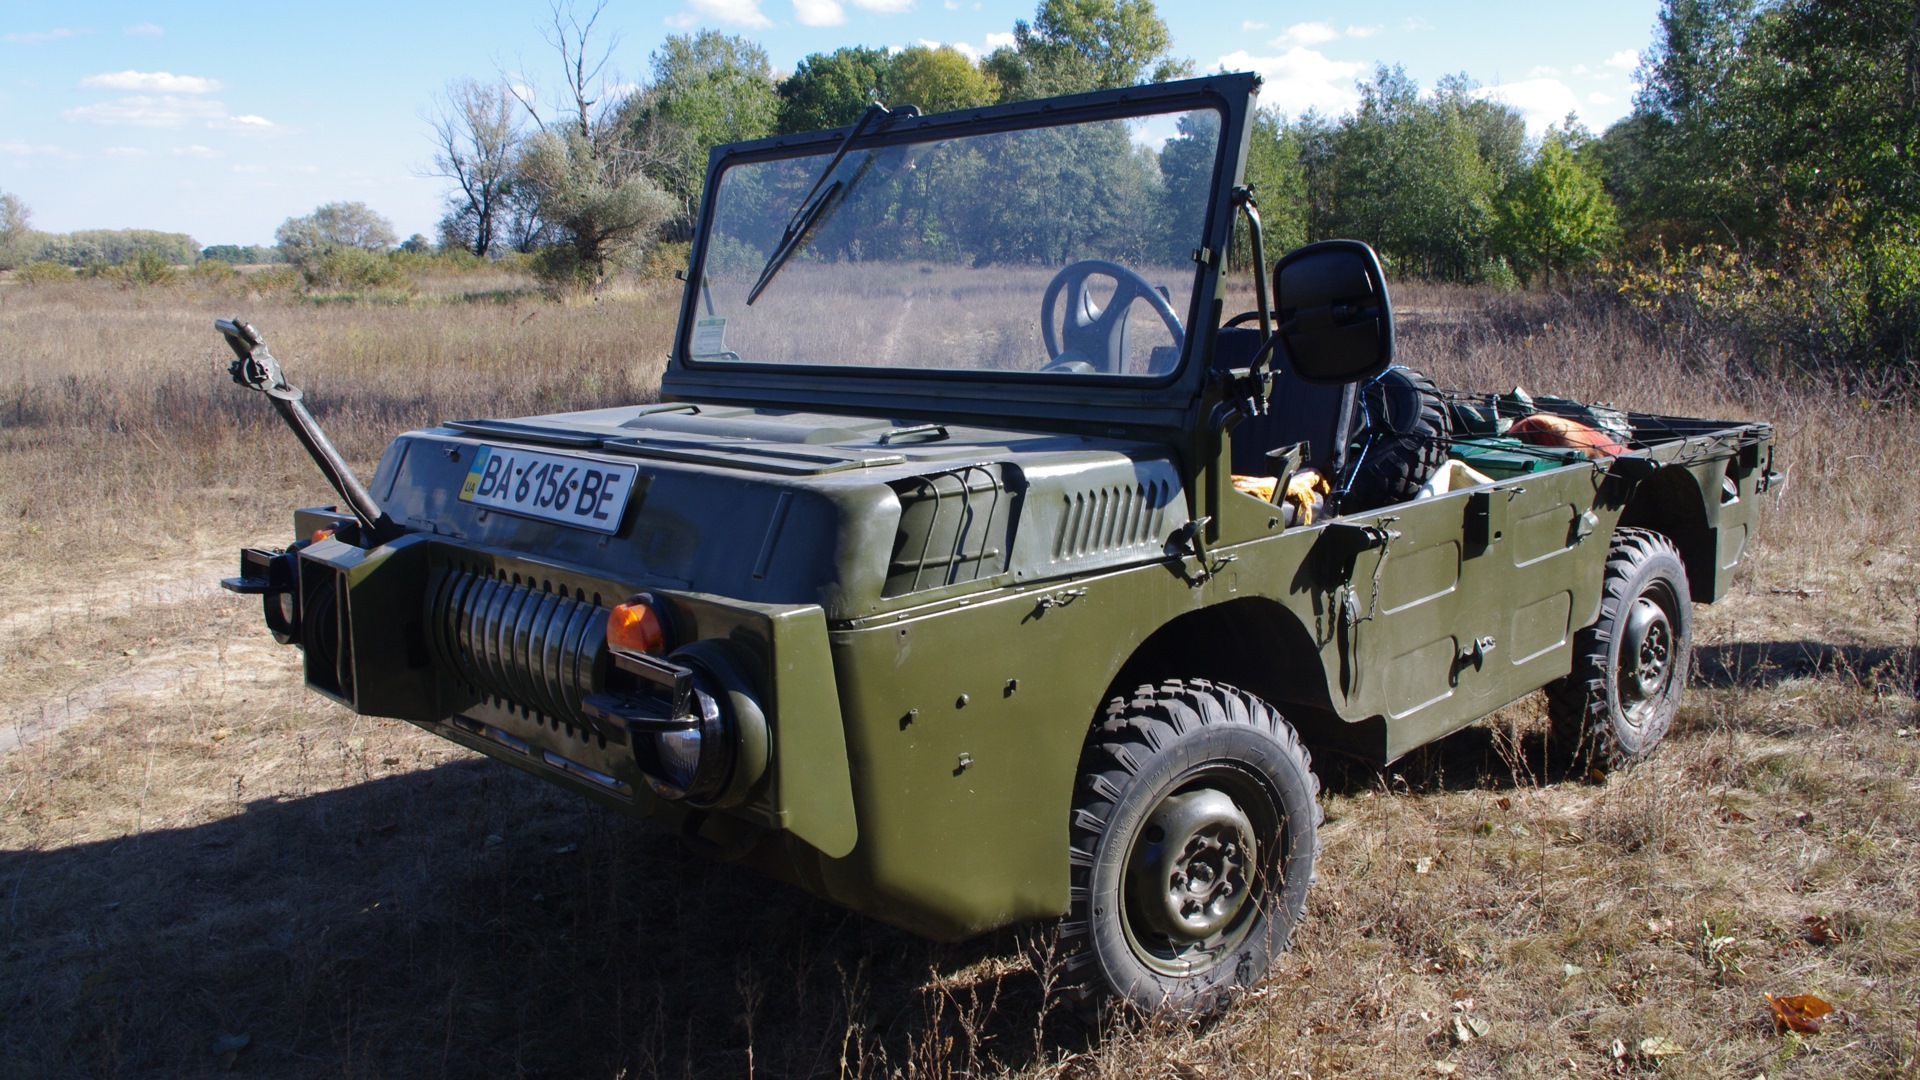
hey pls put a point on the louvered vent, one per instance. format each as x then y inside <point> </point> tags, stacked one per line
<point>531,643</point>
<point>1109,519</point>
<point>955,526</point>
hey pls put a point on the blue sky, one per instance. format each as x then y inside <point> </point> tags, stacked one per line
<point>222,120</point>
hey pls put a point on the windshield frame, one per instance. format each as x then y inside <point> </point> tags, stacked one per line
<point>894,390</point>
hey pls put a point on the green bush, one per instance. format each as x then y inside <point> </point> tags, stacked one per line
<point>561,269</point>
<point>212,272</point>
<point>42,272</point>
<point>279,279</point>
<point>354,268</point>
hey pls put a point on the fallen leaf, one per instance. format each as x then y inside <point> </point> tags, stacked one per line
<point>1572,969</point>
<point>1619,1049</point>
<point>1821,932</point>
<point>1659,927</point>
<point>1423,864</point>
<point>1468,1028</point>
<point>1729,815</point>
<point>1445,1068</point>
<point>1503,803</point>
<point>1798,1012</point>
<point>1658,1047</point>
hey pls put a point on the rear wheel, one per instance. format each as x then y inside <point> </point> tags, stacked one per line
<point>1194,832</point>
<point>1631,665</point>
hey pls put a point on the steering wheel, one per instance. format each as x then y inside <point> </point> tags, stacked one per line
<point>1094,337</point>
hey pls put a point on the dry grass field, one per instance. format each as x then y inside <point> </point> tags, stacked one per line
<point>204,869</point>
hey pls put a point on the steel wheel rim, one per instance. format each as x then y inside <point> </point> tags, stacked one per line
<point>1648,656</point>
<point>1187,901</point>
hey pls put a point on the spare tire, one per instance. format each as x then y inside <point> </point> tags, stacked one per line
<point>1401,443</point>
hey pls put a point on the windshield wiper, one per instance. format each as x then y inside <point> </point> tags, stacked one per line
<point>812,208</point>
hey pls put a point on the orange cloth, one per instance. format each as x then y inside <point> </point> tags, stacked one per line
<point>1545,429</point>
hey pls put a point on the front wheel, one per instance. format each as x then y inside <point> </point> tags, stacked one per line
<point>1194,832</point>
<point>1630,666</point>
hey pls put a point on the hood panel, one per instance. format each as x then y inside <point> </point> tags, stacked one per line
<point>855,514</point>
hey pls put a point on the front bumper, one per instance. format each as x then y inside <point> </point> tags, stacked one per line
<point>509,657</point>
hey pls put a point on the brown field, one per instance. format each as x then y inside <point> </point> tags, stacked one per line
<point>204,868</point>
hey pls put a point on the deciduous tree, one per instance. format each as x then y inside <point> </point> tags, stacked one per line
<point>476,137</point>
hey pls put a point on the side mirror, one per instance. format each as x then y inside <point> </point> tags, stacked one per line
<point>1335,318</point>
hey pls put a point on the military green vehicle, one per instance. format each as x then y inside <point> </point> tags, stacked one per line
<point>930,584</point>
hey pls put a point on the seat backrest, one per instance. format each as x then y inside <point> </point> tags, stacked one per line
<point>1320,416</point>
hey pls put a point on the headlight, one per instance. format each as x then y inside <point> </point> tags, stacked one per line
<point>693,764</point>
<point>694,720</point>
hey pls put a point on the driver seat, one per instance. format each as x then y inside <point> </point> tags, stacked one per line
<point>1320,416</point>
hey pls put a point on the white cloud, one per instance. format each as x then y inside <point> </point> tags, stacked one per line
<point>1414,24</point>
<point>1540,70</point>
<point>157,81</point>
<point>1579,69</point>
<point>38,37</point>
<point>196,151</point>
<point>1363,31</point>
<point>885,7</point>
<point>124,152</point>
<point>1252,25</point>
<point>145,29</point>
<point>1300,79</point>
<point>21,149</point>
<point>246,124</point>
<point>950,5</point>
<point>973,52</point>
<point>1625,60</point>
<point>819,12</point>
<point>734,12</point>
<point>165,111</point>
<point>1598,98</point>
<point>1306,33</point>
<point>1542,102</point>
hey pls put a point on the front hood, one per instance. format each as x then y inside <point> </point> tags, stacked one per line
<point>856,514</point>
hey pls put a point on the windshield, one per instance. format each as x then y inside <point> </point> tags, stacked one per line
<point>1063,250</point>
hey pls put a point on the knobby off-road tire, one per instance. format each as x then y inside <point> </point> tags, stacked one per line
<point>1630,666</point>
<point>1402,441</point>
<point>1195,826</point>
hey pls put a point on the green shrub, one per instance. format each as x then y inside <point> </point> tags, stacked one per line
<point>42,272</point>
<point>279,279</point>
<point>212,272</point>
<point>354,268</point>
<point>561,269</point>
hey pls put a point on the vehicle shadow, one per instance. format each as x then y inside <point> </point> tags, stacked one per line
<point>1769,663</point>
<point>469,921</point>
<point>1510,748</point>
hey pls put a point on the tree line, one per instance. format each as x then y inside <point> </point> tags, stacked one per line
<point>1766,179</point>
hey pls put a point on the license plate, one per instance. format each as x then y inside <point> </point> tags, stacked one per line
<point>582,492</point>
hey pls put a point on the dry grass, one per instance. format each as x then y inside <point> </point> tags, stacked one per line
<point>193,850</point>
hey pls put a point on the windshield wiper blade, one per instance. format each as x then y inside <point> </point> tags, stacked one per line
<point>811,208</point>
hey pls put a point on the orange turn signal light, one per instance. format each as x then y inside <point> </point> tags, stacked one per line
<point>322,534</point>
<point>637,628</point>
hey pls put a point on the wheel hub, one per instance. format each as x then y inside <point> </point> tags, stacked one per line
<point>1189,875</point>
<point>1646,654</point>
